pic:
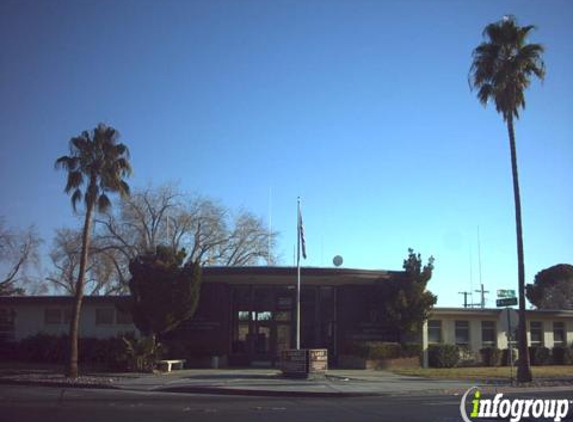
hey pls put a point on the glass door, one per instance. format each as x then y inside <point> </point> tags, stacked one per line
<point>261,334</point>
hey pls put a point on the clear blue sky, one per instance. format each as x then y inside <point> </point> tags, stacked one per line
<point>360,107</point>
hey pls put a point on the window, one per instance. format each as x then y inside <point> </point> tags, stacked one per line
<point>462,333</point>
<point>243,315</point>
<point>282,316</point>
<point>284,302</point>
<point>264,316</point>
<point>488,334</point>
<point>240,340</point>
<point>264,298</point>
<point>52,316</point>
<point>558,334</point>
<point>104,316</point>
<point>57,316</point>
<point>123,317</point>
<point>536,333</point>
<point>434,331</point>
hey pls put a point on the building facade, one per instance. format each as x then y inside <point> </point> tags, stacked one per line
<point>247,315</point>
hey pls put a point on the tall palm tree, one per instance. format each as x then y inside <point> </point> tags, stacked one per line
<point>96,166</point>
<point>502,68</point>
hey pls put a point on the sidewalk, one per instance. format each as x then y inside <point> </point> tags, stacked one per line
<point>269,382</point>
<point>262,382</point>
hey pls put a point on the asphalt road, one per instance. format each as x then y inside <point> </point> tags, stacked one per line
<point>25,403</point>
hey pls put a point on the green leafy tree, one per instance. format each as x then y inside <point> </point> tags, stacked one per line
<point>502,68</point>
<point>552,288</point>
<point>406,303</point>
<point>164,290</point>
<point>96,167</point>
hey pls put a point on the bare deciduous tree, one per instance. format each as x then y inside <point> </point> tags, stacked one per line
<point>210,233</point>
<point>18,251</point>
<point>101,273</point>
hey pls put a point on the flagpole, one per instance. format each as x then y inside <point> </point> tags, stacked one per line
<point>298,233</point>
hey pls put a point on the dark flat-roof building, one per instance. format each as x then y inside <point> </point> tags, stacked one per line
<point>247,315</point>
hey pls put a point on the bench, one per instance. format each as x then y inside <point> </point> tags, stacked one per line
<point>171,364</point>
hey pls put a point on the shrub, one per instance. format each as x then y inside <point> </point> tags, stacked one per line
<point>47,348</point>
<point>411,350</point>
<point>539,356</point>
<point>8,350</point>
<point>562,355</point>
<point>505,356</point>
<point>376,350</point>
<point>141,354</point>
<point>491,356</point>
<point>43,348</point>
<point>467,357</point>
<point>443,355</point>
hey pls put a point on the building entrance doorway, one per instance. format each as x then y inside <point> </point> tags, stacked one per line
<point>259,336</point>
<point>262,319</point>
<point>264,322</point>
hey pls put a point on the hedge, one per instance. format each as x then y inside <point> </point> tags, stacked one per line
<point>505,356</point>
<point>539,356</point>
<point>46,348</point>
<point>443,355</point>
<point>491,356</point>
<point>374,350</point>
<point>562,355</point>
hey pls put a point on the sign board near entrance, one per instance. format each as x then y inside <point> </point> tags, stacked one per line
<point>318,360</point>
<point>304,363</point>
<point>294,362</point>
<point>510,301</point>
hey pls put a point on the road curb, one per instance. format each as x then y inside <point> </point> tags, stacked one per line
<point>223,391</point>
<point>197,390</point>
<point>265,393</point>
<point>59,384</point>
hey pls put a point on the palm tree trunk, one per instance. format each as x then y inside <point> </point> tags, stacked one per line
<point>523,370</point>
<point>72,370</point>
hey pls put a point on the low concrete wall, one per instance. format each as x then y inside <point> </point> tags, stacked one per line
<point>354,362</point>
<point>207,362</point>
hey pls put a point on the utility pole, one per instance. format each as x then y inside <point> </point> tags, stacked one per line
<point>270,245</point>
<point>482,292</point>
<point>465,298</point>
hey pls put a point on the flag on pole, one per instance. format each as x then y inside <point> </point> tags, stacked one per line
<point>301,233</point>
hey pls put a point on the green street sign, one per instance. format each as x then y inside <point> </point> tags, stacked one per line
<point>510,301</point>
<point>505,293</point>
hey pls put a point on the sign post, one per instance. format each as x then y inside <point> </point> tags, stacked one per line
<point>506,298</point>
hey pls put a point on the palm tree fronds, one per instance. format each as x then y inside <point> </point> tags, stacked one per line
<point>502,66</point>
<point>103,203</point>
<point>75,180</point>
<point>122,149</point>
<point>124,189</point>
<point>98,163</point>
<point>67,163</point>
<point>76,197</point>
